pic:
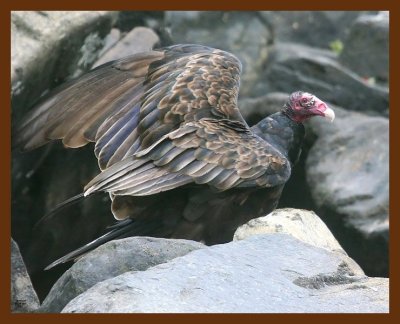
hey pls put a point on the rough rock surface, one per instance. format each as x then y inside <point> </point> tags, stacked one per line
<point>23,296</point>
<point>245,34</point>
<point>366,49</point>
<point>264,273</point>
<point>292,67</point>
<point>313,28</point>
<point>139,39</point>
<point>256,108</point>
<point>39,39</point>
<point>302,224</point>
<point>348,174</point>
<point>111,260</point>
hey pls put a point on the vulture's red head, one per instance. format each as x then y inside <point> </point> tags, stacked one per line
<point>303,105</point>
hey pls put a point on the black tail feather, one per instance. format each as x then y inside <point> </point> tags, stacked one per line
<point>119,230</point>
<point>60,206</point>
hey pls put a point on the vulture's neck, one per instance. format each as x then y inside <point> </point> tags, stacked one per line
<point>283,133</point>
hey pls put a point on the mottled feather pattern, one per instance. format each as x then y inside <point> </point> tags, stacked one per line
<point>179,88</point>
<point>187,89</point>
<point>221,150</point>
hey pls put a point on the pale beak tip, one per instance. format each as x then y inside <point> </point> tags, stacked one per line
<point>329,114</point>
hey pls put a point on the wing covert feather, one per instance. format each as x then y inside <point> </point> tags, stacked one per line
<point>183,156</point>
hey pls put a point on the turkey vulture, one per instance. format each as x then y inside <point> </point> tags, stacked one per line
<point>176,155</point>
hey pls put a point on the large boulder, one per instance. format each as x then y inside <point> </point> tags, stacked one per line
<point>244,34</point>
<point>293,67</point>
<point>110,260</point>
<point>348,174</point>
<point>366,48</point>
<point>23,296</point>
<point>55,42</point>
<point>255,109</point>
<point>139,39</point>
<point>313,28</point>
<point>302,224</point>
<point>270,273</point>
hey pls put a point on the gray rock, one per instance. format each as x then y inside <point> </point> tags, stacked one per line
<point>348,174</point>
<point>314,28</point>
<point>139,39</point>
<point>110,41</point>
<point>256,108</point>
<point>294,67</point>
<point>348,170</point>
<point>111,260</point>
<point>242,33</point>
<point>366,49</point>
<point>128,19</point>
<point>304,225</point>
<point>40,38</point>
<point>272,273</point>
<point>23,296</point>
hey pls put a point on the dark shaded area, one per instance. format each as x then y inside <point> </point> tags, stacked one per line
<point>129,19</point>
<point>43,280</point>
<point>296,193</point>
<point>54,178</point>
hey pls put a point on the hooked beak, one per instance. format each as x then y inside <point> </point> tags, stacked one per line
<point>329,113</point>
<point>324,110</point>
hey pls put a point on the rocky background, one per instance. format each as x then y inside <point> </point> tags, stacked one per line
<point>296,262</point>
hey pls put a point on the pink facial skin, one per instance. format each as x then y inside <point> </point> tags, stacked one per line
<point>304,105</point>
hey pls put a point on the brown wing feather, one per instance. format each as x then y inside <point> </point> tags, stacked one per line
<point>128,105</point>
<point>88,101</point>
<point>184,156</point>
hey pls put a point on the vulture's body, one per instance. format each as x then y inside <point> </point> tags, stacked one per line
<point>175,153</point>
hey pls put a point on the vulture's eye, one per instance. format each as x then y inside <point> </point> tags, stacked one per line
<point>310,103</point>
<point>307,103</point>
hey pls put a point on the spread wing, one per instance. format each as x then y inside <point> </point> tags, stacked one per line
<point>128,105</point>
<point>221,153</point>
<point>159,120</point>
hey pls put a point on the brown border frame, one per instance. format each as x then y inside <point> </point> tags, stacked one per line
<point>5,159</point>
